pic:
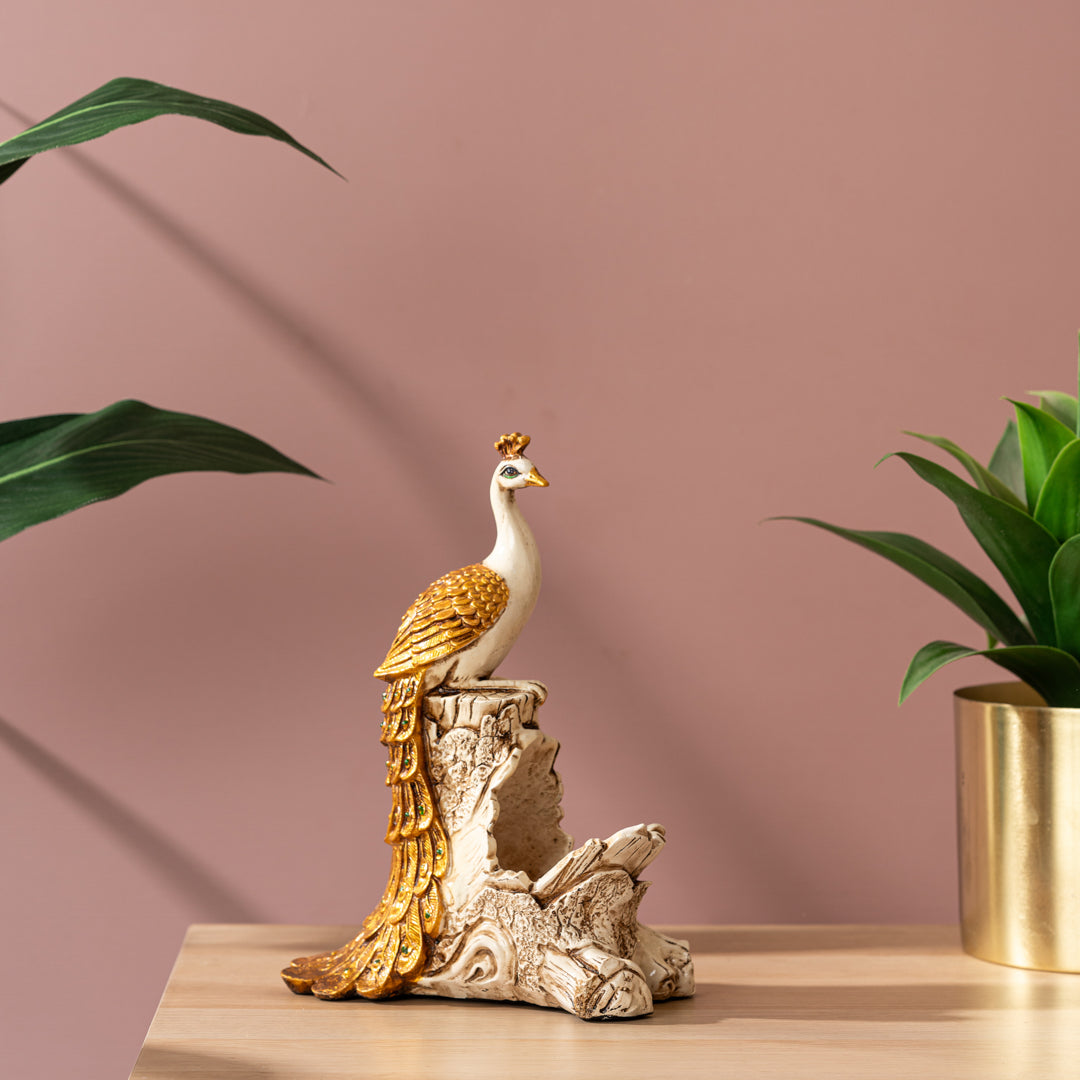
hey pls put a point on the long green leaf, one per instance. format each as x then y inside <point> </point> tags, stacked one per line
<point>92,456</point>
<point>14,430</point>
<point>984,479</point>
<point>1005,461</point>
<point>1042,438</point>
<point>1062,407</point>
<point>1058,508</point>
<point>1017,545</point>
<point>129,101</point>
<point>1065,594</point>
<point>942,573</point>
<point>1052,673</point>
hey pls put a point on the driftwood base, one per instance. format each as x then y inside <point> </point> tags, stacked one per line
<point>528,918</point>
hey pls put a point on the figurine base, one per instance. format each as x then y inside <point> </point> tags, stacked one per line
<point>528,918</point>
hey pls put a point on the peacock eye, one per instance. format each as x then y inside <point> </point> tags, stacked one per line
<point>510,472</point>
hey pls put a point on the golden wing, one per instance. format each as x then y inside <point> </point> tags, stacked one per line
<point>446,617</point>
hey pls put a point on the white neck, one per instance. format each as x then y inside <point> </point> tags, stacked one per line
<point>514,554</point>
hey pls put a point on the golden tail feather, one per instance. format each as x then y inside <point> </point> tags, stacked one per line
<point>390,951</point>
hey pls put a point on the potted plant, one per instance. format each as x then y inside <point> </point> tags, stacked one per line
<point>50,465</point>
<point>1018,744</point>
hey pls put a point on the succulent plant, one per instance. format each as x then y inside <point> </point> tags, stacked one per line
<point>1023,508</point>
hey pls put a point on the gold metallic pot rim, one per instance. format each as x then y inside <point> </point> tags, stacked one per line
<point>1014,695</point>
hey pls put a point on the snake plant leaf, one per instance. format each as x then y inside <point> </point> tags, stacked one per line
<point>1052,673</point>
<point>1005,461</point>
<point>1042,438</point>
<point>984,479</point>
<point>1060,406</point>
<point>129,101</point>
<point>78,459</point>
<point>1065,594</point>
<point>1019,546</point>
<point>942,573</point>
<point>1058,508</point>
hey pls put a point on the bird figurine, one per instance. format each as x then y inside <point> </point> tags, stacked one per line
<point>455,634</point>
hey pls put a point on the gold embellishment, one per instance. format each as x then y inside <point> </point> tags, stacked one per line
<point>448,616</point>
<point>392,947</point>
<point>512,445</point>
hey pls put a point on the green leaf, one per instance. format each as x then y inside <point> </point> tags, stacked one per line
<point>1062,407</point>
<point>984,479</point>
<point>14,430</point>
<point>1042,438</point>
<point>130,101</point>
<point>1018,545</point>
<point>1052,673</point>
<point>1005,461</point>
<point>82,458</point>
<point>1058,508</point>
<point>942,573</point>
<point>1065,594</point>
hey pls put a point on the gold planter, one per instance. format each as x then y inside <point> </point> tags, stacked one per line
<point>1018,804</point>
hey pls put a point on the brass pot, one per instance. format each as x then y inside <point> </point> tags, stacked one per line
<point>1018,806</point>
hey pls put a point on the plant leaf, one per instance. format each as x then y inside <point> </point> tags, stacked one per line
<point>1058,508</point>
<point>1005,461</point>
<point>1061,406</point>
<point>83,458</point>
<point>1017,544</point>
<point>1065,594</point>
<point>1042,438</point>
<point>942,573</point>
<point>1052,673</point>
<point>14,430</point>
<point>984,479</point>
<point>129,101</point>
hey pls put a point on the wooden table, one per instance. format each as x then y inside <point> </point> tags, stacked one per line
<point>865,1002</point>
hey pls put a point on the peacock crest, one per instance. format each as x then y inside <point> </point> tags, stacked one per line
<point>512,445</point>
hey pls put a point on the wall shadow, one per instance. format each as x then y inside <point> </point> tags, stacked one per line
<point>339,368</point>
<point>177,868</point>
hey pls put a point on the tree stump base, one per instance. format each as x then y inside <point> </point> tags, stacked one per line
<point>528,917</point>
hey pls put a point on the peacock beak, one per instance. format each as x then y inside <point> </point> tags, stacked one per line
<point>534,479</point>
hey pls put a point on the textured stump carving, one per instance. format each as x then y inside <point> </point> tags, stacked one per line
<point>525,915</point>
<point>528,917</point>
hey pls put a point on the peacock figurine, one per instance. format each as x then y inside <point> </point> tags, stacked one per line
<point>455,634</point>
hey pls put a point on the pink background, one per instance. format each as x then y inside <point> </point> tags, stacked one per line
<point>712,256</point>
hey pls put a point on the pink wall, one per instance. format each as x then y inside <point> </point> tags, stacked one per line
<point>712,256</point>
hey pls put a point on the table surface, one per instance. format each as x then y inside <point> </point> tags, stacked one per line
<point>772,1001</point>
